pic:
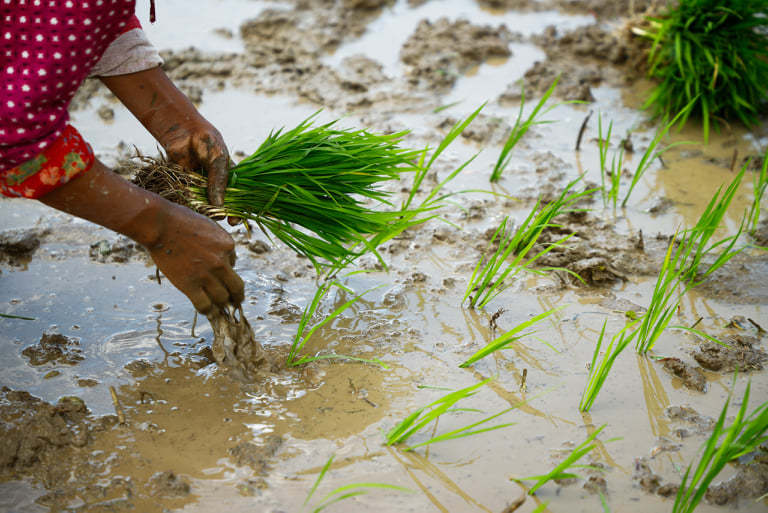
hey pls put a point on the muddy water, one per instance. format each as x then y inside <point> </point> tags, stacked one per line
<point>180,434</point>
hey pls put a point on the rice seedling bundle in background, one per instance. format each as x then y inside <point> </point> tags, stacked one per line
<point>316,188</point>
<point>713,52</point>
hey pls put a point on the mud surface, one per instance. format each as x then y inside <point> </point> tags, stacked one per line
<point>116,396</point>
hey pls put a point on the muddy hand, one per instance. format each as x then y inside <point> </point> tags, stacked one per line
<point>198,257</point>
<point>197,145</point>
<point>195,253</point>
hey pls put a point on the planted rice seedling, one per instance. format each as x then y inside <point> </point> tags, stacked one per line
<point>520,128</point>
<point>598,371</point>
<point>316,188</point>
<point>490,279</point>
<point>760,182</point>
<point>347,491</point>
<point>725,444</point>
<point>303,335</point>
<point>652,153</point>
<point>680,269</point>
<point>713,55</point>
<point>565,469</point>
<point>432,412</point>
<point>508,338</point>
<point>610,194</point>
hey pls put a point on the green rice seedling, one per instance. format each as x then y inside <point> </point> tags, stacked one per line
<point>303,335</point>
<point>610,194</point>
<point>565,469</point>
<point>520,128</point>
<point>760,182</point>
<point>652,153</point>
<point>347,491</point>
<point>709,222</point>
<point>431,412</point>
<point>725,444</point>
<point>508,338</point>
<point>317,189</point>
<point>598,371</point>
<point>425,166</point>
<point>712,54</point>
<point>490,279</point>
<point>9,316</point>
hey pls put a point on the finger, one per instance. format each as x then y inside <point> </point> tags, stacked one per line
<point>218,171</point>
<point>201,302</point>
<point>235,287</point>
<point>218,295</point>
<point>234,221</point>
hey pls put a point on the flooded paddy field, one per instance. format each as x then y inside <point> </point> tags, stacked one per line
<point>111,399</point>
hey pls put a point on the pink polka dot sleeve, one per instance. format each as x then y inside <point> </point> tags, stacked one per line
<point>48,48</point>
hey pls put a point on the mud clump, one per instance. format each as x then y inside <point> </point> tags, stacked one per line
<point>169,485</point>
<point>438,52</point>
<point>54,347</point>
<point>738,354</point>
<point>692,378</point>
<point>257,456</point>
<point>118,252</point>
<point>37,438</point>
<point>19,245</point>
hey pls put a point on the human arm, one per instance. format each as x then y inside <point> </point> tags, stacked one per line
<point>193,252</point>
<point>187,137</point>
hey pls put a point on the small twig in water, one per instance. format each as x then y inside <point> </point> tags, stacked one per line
<point>118,408</point>
<point>581,130</point>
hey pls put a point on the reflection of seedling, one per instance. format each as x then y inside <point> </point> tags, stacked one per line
<point>713,55</point>
<point>743,436</point>
<point>309,312</point>
<point>347,491</point>
<point>431,412</point>
<point>521,127</point>
<point>563,470</point>
<point>506,340</point>
<point>598,371</point>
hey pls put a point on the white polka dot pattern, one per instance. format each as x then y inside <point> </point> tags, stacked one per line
<point>47,48</point>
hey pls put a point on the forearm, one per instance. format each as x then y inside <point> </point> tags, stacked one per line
<point>154,99</point>
<point>103,197</point>
<point>187,137</point>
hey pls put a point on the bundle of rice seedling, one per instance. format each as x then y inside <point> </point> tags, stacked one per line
<point>315,188</point>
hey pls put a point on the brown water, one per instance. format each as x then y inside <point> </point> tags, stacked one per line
<point>194,439</point>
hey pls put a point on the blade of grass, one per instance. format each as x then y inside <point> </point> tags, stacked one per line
<point>562,470</point>
<point>511,336</point>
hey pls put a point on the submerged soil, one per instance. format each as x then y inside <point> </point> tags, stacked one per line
<point>114,395</point>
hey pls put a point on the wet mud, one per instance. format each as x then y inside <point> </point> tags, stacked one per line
<point>187,416</point>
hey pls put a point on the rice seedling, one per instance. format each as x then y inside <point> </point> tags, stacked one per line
<point>316,188</point>
<point>760,182</point>
<point>725,444</point>
<point>564,470</point>
<point>709,222</point>
<point>509,337</point>
<point>712,54</point>
<point>680,269</point>
<point>598,371</point>
<point>303,335</point>
<point>346,491</point>
<point>9,316</point>
<point>520,128</point>
<point>490,279</point>
<point>610,194</point>
<point>652,153</point>
<point>431,200</point>
<point>432,412</point>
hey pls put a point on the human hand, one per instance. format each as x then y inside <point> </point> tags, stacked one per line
<point>198,257</point>
<point>195,144</point>
<point>193,252</point>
